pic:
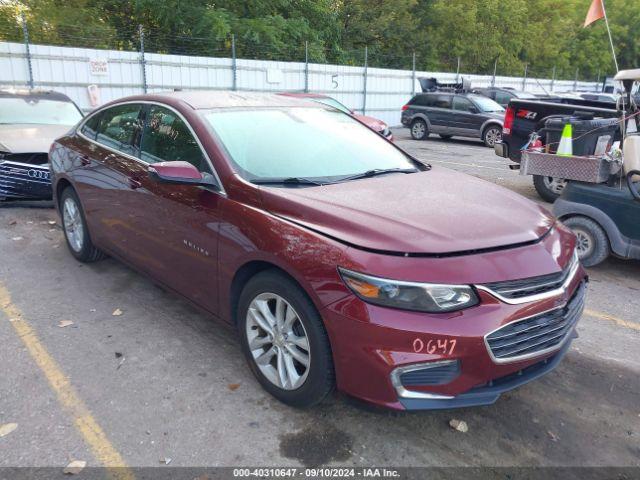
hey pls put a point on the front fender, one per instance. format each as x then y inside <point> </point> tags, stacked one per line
<point>250,234</point>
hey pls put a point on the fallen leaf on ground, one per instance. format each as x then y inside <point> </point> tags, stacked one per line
<point>459,425</point>
<point>16,239</point>
<point>51,222</point>
<point>7,428</point>
<point>64,323</point>
<point>13,222</point>
<point>233,386</point>
<point>92,310</point>
<point>166,461</point>
<point>117,312</point>
<point>552,436</point>
<point>75,467</point>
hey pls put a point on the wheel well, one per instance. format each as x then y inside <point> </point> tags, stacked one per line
<point>489,125</point>
<point>60,186</point>
<point>243,275</point>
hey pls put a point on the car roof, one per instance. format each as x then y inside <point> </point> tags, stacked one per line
<point>303,95</point>
<point>209,99</point>
<point>35,93</point>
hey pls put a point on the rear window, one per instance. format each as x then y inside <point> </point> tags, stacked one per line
<point>422,100</point>
<point>90,128</point>
<point>119,127</point>
<point>442,101</point>
<point>432,100</point>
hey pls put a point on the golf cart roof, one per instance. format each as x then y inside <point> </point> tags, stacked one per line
<point>633,74</point>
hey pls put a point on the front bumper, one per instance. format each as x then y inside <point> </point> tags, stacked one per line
<point>371,355</point>
<point>491,391</point>
<point>24,181</point>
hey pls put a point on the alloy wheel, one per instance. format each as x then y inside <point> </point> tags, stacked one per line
<point>418,129</point>
<point>492,136</point>
<point>72,222</point>
<point>278,341</point>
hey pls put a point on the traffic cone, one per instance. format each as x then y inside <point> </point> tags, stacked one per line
<point>565,148</point>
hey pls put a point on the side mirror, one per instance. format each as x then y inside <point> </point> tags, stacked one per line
<point>181,173</point>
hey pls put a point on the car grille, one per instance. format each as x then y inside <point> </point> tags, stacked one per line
<point>438,374</point>
<point>538,334</point>
<point>515,289</point>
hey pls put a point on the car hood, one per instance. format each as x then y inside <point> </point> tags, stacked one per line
<point>30,138</point>
<point>372,123</point>
<point>434,212</point>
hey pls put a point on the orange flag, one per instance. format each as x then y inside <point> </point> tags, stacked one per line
<point>596,12</point>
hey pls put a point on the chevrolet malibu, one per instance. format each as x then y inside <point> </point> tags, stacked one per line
<point>341,260</point>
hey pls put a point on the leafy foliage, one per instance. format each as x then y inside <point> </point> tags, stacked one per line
<point>508,33</point>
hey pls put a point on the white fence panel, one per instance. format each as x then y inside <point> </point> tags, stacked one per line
<point>72,70</point>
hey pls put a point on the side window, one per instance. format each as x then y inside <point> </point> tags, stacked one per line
<point>166,138</point>
<point>119,128</point>
<point>461,104</point>
<point>90,128</point>
<point>443,101</point>
<point>422,100</point>
<point>503,98</point>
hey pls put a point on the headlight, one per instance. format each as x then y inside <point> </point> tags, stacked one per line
<point>421,297</point>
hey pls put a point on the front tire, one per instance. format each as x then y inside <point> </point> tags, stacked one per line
<point>284,340</point>
<point>75,228</point>
<point>592,241</point>
<point>549,188</point>
<point>419,129</point>
<point>491,135</point>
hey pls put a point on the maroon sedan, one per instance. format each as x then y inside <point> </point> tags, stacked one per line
<point>340,259</point>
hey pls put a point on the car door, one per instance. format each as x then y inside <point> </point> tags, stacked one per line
<point>465,117</point>
<point>107,150</point>
<point>440,113</point>
<point>177,225</point>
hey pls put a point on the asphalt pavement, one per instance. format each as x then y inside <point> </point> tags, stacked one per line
<point>159,384</point>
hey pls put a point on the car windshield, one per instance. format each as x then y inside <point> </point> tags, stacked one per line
<point>332,102</point>
<point>35,110</point>
<point>302,143</point>
<point>486,104</point>
<point>525,95</point>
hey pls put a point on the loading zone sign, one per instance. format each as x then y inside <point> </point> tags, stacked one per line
<point>98,66</point>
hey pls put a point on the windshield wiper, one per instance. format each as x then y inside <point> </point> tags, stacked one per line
<point>378,171</point>
<point>286,181</point>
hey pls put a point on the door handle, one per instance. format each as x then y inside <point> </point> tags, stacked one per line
<point>134,184</point>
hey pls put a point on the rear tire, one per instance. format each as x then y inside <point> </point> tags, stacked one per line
<point>419,129</point>
<point>592,241</point>
<point>549,188</point>
<point>75,228</point>
<point>269,344</point>
<point>491,135</point>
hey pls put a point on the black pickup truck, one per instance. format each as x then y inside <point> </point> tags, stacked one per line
<point>523,117</point>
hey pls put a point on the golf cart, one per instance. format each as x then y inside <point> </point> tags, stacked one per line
<point>605,216</point>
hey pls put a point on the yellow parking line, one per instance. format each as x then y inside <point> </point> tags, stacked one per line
<point>91,432</point>
<point>611,318</point>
